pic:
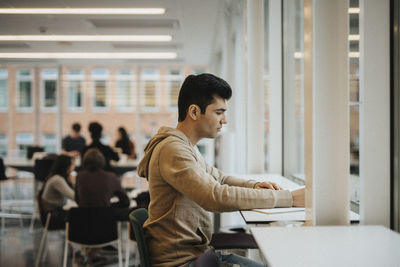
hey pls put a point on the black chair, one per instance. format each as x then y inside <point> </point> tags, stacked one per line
<point>32,150</point>
<point>92,228</point>
<point>2,170</point>
<point>233,241</point>
<point>137,219</point>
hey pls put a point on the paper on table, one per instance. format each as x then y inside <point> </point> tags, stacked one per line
<point>279,210</point>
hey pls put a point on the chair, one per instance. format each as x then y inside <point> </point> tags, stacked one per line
<point>92,228</point>
<point>32,149</point>
<point>45,219</point>
<point>137,219</point>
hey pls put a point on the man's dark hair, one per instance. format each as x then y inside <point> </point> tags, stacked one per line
<point>93,160</point>
<point>95,129</point>
<point>200,90</point>
<point>76,127</point>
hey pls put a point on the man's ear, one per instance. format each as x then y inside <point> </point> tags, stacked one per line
<point>194,111</point>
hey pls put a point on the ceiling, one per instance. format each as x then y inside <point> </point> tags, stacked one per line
<point>190,22</point>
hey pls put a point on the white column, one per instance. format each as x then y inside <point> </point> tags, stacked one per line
<point>375,112</point>
<point>330,113</point>
<point>255,93</point>
<point>275,99</point>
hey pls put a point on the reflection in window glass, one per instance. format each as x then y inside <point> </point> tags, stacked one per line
<point>100,93</point>
<point>3,145</point>
<point>24,96</point>
<point>50,93</point>
<point>50,143</point>
<point>293,90</point>
<point>149,93</point>
<point>125,94</point>
<point>3,89</point>
<point>74,89</point>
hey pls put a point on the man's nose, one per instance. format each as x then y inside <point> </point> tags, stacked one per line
<point>224,120</point>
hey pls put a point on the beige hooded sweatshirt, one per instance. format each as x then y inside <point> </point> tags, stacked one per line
<point>183,190</point>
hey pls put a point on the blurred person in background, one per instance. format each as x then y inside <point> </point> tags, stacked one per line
<point>74,144</point>
<point>57,189</point>
<point>109,154</point>
<point>123,142</point>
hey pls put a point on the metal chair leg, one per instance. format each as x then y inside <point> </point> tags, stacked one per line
<point>44,235</point>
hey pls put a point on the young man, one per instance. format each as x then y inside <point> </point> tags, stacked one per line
<point>73,144</point>
<point>184,189</point>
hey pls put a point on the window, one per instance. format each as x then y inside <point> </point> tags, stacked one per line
<point>3,89</point>
<point>23,141</point>
<point>150,79</point>
<point>354,105</point>
<point>100,80</point>
<point>3,145</point>
<point>49,142</point>
<point>49,92</point>
<point>293,89</point>
<point>174,81</point>
<point>105,139</point>
<point>125,90</point>
<point>75,90</point>
<point>24,90</point>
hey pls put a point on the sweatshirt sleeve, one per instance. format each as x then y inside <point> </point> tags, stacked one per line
<point>230,180</point>
<point>179,168</point>
<point>62,187</point>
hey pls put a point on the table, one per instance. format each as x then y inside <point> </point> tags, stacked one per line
<point>257,217</point>
<point>328,246</point>
<point>24,164</point>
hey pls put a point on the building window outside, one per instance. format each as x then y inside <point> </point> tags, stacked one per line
<point>3,90</point>
<point>49,142</point>
<point>75,90</point>
<point>100,79</point>
<point>3,145</point>
<point>174,82</point>
<point>125,90</point>
<point>49,92</point>
<point>23,141</point>
<point>24,91</point>
<point>150,79</point>
<point>105,139</point>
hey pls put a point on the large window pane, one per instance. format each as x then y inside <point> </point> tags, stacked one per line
<point>50,93</point>
<point>75,79</point>
<point>293,90</point>
<point>25,94</point>
<point>3,145</point>
<point>23,140</point>
<point>149,93</point>
<point>100,79</point>
<point>125,90</point>
<point>3,89</point>
<point>50,143</point>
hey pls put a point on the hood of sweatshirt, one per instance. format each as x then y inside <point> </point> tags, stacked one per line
<point>163,133</point>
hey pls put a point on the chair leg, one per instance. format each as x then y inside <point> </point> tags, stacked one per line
<point>137,256</point>
<point>66,246</point>
<point>42,241</point>
<point>127,247</point>
<point>119,245</point>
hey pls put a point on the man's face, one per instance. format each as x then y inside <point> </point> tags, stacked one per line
<point>211,122</point>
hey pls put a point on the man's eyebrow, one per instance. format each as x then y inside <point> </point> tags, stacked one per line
<point>220,109</point>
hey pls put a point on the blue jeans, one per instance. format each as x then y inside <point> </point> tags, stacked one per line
<point>229,260</point>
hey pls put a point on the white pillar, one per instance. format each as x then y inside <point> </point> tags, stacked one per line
<point>375,112</point>
<point>59,94</point>
<point>275,105</point>
<point>255,93</point>
<point>330,113</point>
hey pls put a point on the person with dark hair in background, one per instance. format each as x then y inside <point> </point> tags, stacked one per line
<point>123,142</point>
<point>95,130</point>
<point>74,144</point>
<point>184,189</point>
<point>57,189</point>
<point>95,187</point>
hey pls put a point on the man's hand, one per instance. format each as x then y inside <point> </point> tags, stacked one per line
<point>267,185</point>
<point>298,196</point>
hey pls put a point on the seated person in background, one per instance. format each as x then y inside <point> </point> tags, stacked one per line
<point>2,170</point>
<point>123,142</point>
<point>184,189</point>
<point>95,187</point>
<point>95,130</point>
<point>57,188</point>
<point>74,144</point>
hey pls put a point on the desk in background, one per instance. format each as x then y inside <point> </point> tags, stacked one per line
<point>328,246</point>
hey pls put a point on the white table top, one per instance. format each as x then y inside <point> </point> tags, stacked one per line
<point>257,217</point>
<point>328,246</point>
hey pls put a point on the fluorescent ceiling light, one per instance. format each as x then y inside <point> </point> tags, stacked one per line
<point>354,54</point>
<point>91,55</point>
<point>354,10</point>
<point>88,38</point>
<point>91,11</point>
<point>354,37</point>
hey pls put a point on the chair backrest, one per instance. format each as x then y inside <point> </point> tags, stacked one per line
<point>32,149</point>
<point>43,214</point>
<point>137,218</point>
<point>92,226</point>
